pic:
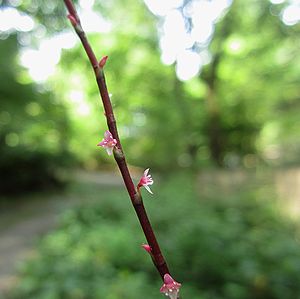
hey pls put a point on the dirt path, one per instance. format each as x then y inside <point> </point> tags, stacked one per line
<point>18,235</point>
<point>23,222</point>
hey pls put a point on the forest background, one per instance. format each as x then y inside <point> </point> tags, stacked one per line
<point>206,94</point>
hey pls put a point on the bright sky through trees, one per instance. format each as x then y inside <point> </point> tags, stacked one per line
<point>175,41</point>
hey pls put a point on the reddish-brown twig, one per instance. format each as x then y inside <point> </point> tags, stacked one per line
<point>135,196</point>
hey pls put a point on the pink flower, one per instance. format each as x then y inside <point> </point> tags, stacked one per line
<point>147,248</point>
<point>108,142</point>
<point>170,287</point>
<point>145,181</point>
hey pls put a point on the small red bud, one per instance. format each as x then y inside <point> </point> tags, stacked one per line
<point>147,248</point>
<point>103,61</point>
<point>72,20</point>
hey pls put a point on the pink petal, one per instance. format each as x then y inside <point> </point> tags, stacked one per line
<point>108,135</point>
<point>146,172</point>
<point>170,286</point>
<point>150,182</point>
<point>102,143</point>
<point>109,150</point>
<point>148,189</point>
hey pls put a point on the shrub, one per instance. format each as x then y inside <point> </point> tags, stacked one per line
<point>238,247</point>
<point>26,171</point>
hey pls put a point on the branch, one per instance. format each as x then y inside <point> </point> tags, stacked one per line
<point>119,156</point>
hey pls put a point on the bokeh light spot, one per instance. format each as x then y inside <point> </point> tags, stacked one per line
<point>12,139</point>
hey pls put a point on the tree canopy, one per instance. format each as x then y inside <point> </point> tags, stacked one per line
<point>240,110</point>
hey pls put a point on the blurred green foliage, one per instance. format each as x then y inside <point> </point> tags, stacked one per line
<point>243,107</point>
<point>33,129</point>
<point>251,78</point>
<point>235,246</point>
<point>241,110</point>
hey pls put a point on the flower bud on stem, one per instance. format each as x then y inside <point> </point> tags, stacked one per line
<point>102,62</point>
<point>135,197</point>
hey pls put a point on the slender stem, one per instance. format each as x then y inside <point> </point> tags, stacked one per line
<point>135,196</point>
